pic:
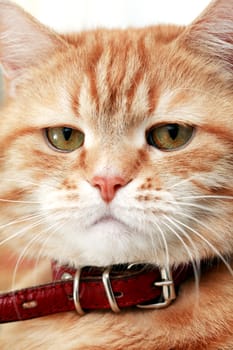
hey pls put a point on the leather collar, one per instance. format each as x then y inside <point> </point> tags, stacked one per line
<point>122,286</point>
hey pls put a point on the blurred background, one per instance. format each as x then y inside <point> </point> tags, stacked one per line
<point>66,15</point>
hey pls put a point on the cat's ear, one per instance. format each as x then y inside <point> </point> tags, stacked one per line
<point>212,32</point>
<point>23,40</point>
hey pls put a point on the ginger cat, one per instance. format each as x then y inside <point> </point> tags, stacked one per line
<point>116,147</point>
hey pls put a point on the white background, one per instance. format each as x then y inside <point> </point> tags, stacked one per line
<point>82,14</point>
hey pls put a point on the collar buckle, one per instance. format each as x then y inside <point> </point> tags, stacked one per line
<point>168,290</point>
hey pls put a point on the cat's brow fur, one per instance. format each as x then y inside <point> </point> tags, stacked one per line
<point>175,207</point>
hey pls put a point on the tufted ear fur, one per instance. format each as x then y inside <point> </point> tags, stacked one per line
<point>23,41</point>
<point>212,32</point>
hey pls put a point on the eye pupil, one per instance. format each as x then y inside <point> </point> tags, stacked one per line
<point>67,132</point>
<point>64,138</point>
<point>173,130</point>
<point>169,137</point>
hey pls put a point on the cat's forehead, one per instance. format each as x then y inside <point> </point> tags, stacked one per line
<point>115,80</point>
<point>120,74</point>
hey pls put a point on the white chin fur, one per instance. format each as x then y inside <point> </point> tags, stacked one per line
<point>102,244</point>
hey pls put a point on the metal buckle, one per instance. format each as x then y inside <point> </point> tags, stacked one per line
<point>168,290</point>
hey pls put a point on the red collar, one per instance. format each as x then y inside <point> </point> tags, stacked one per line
<point>94,289</point>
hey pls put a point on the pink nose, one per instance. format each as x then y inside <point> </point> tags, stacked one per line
<point>108,186</point>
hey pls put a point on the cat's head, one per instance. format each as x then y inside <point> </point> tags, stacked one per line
<point>116,145</point>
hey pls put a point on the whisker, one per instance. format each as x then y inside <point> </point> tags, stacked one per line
<point>195,262</point>
<point>18,201</point>
<point>210,245</point>
<point>27,182</point>
<point>16,268</point>
<point>56,225</point>
<point>192,205</point>
<point>180,183</point>
<point>23,254</point>
<point>195,265</point>
<point>31,242</point>
<point>23,219</point>
<point>164,244</point>
<point>209,197</point>
<point>21,257</point>
<point>22,231</point>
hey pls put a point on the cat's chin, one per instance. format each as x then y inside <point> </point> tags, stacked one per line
<point>110,240</point>
<point>107,241</point>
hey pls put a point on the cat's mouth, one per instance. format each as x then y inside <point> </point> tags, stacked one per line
<point>108,220</point>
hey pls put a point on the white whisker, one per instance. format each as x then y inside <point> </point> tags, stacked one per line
<point>210,245</point>
<point>195,262</point>
<point>18,201</point>
<point>27,182</point>
<point>23,219</point>
<point>22,256</point>
<point>16,268</point>
<point>22,231</point>
<point>180,183</point>
<point>195,265</point>
<point>209,197</point>
<point>192,205</point>
<point>164,244</point>
<point>57,226</point>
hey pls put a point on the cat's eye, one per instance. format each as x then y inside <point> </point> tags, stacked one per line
<point>170,137</point>
<point>65,139</point>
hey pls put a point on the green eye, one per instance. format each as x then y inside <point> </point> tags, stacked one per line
<point>65,139</point>
<point>169,137</point>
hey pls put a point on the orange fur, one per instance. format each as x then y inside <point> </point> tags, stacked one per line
<point>115,85</point>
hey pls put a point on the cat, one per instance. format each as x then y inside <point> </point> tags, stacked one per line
<point>116,148</point>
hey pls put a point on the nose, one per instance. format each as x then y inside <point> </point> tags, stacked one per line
<point>108,186</point>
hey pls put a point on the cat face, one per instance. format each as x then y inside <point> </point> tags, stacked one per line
<point>116,146</point>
